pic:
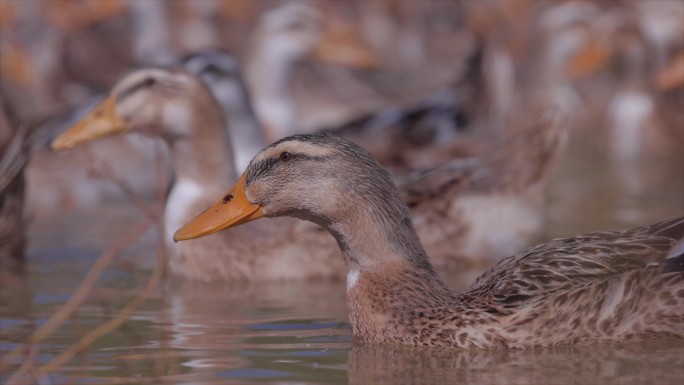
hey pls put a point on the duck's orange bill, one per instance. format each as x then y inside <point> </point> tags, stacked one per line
<point>591,58</point>
<point>672,76</point>
<point>341,46</point>
<point>234,209</point>
<point>100,122</point>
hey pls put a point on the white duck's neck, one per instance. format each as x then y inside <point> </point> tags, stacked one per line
<point>202,161</point>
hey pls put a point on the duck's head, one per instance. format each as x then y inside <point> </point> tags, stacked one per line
<point>318,177</point>
<point>221,72</point>
<point>152,101</point>
<point>293,31</point>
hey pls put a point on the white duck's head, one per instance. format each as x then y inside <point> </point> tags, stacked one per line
<point>291,31</point>
<point>154,101</point>
<point>294,31</point>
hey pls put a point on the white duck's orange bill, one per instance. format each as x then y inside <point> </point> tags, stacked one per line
<point>100,122</point>
<point>234,209</point>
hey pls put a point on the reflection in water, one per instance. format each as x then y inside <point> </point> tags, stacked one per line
<point>589,193</point>
<point>659,362</point>
<point>293,331</point>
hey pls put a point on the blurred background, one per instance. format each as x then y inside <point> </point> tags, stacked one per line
<point>617,65</point>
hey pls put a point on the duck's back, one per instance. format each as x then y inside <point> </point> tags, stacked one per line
<point>598,286</point>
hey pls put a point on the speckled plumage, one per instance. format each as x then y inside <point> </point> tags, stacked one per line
<point>603,286</point>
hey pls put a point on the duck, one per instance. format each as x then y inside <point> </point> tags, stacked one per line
<point>222,73</point>
<point>15,155</point>
<point>600,287</point>
<point>174,105</point>
<point>426,131</point>
<point>486,207</point>
<point>285,36</point>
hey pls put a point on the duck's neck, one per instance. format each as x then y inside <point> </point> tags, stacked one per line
<point>389,276</point>
<point>382,252</point>
<point>202,161</point>
<point>371,238</point>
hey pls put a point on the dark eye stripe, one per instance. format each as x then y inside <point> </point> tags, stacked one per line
<point>267,165</point>
<point>132,89</point>
<point>261,168</point>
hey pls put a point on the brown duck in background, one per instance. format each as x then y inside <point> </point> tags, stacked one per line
<point>605,286</point>
<point>491,206</point>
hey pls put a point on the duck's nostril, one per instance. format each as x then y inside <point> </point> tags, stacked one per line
<point>227,198</point>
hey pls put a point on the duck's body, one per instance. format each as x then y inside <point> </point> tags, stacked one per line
<point>608,286</point>
<point>598,287</point>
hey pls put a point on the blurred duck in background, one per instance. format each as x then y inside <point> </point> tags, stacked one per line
<point>490,206</point>
<point>633,121</point>
<point>631,49</point>
<point>221,73</point>
<point>61,54</point>
<point>285,36</point>
<point>176,106</point>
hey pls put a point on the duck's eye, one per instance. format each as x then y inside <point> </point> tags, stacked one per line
<point>285,156</point>
<point>216,70</point>
<point>149,82</point>
<point>296,26</point>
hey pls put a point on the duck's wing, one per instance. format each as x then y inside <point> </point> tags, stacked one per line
<point>420,186</point>
<point>575,263</point>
